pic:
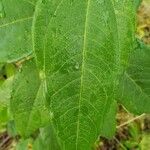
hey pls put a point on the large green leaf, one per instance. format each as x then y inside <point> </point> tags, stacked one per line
<point>28,100</point>
<point>135,83</point>
<point>80,47</point>
<point>15,29</point>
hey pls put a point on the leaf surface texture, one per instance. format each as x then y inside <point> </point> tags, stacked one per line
<point>28,104</point>
<point>80,48</point>
<point>15,29</point>
<point>134,84</point>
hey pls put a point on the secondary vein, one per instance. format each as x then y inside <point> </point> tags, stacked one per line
<point>15,21</point>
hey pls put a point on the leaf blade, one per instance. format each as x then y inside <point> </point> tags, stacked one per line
<point>15,29</point>
<point>79,62</point>
<point>28,101</point>
<point>134,92</point>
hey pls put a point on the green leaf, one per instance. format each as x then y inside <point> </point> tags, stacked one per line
<point>46,140</point>
<point>134,84</point>
<point>5,95</point>
<point>3,115</point>
<point>145,141</point>
<point>11,129</point>
<point>15,29</point>
<point>28,100</point>
<point>137,3</point>
<point>5,92</point>
<point>24,144</point>
<point>80,48</point>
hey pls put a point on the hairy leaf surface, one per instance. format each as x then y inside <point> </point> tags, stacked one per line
<point>134,85</point>
<point>80,47</point>
<point>28,100</point>
<point>15,29</point>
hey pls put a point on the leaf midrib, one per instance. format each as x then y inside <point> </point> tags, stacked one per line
<point>82,71</point>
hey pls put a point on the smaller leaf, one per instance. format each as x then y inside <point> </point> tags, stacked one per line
<point>5,92</point>
<point>134,88</point>
<point>28,100</point>
<point>24,144</point>
<point>11,129</point>
<point>47,139</point>
<point>3,115</point>
<point>15,29</point>
<point>106,130</point>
